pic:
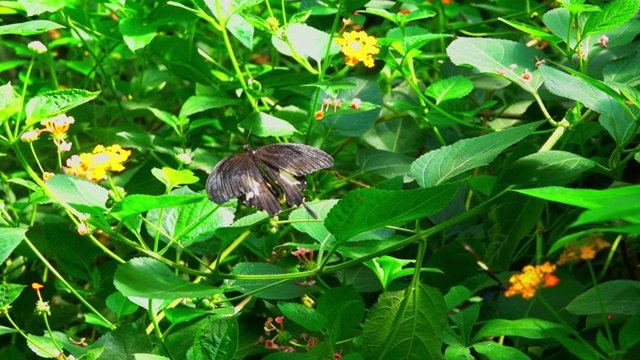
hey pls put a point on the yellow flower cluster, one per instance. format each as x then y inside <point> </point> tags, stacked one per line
<point>358,46</point>
<point>584,249</point>
<point>531,279</point>
<point>94,165</point>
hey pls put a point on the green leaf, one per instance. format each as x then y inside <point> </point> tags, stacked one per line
<point>120,305</point>
<point>308,318</point>
<point>578,348</point>
<point>438,166</point>
<point>388,268</point>
<point>455,87</point>
<point>172,178</point>
<point>315,229</point>
<point>558,21</point>
<point>493,350</point>
<point>368,209</point>
<point>395,135</point>
<point>614,118</point>
<point>343,309</point>
<point>199,103</point>
<point>33,27</point>
<point>530,328</point>
<point>53,103</point>
<point>44,346</point>
<point>217,339</point>
<point>585,198</point>
<point>128,339</point>
<point>136,34</point>
<point>614,210</point>
<point>399,316</point>
<point>148,357</point>
<point>353,124</point>
<point>37,7</point>
<point>628,336</point>
<point>83,195</point>
<point>615,296</point>
<point>9,292</point>
<point>11,237</point>
<point>166,117</point>
<point>265,125</point>
<point>265,288</point>
<point>496,56</point>
<point>137,204</point>
<point>384,163</point>
<point>241,30</point>
<point>612,15</point>
<point>150,279</point>
<point>545,168</point>
<point>306,41</point>
<point>191,223</point>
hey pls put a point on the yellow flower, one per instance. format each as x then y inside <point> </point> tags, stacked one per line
<point>358,46</point>
<point>531,279</point>
<point>58,125</point>
<point>583,249</point>
<point>94,165</point>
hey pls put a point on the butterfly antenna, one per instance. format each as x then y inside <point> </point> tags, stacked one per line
<point>246,140</point>
<point>313,214</point>
<point>481,263</point>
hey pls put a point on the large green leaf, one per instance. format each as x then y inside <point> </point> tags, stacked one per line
<point>150,279</point>
<point>615,296</point>
<point>496,56</point>
<point>217,339</point>
<point>265,125</point>
<point>612,15</point>
<point>306,41</point>
<point>193,222</point>
<point>614,118</point>
<point>52,103</point>
<point>384,163</point>
<point>405,325</point>
<point>438,166</point>
<point>84,195</point>
<point>368,209</point>
<point>455,87</point>
<point>9,292</point>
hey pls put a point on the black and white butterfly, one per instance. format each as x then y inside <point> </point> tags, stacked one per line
<point>264,174</point>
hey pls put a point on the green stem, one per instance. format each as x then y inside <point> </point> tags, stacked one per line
<point>66,284</point>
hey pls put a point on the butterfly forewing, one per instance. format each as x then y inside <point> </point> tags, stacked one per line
<point>259,175</point>
<point>295,159</point>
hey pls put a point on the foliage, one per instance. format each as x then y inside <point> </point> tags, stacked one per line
<point>507,128</point>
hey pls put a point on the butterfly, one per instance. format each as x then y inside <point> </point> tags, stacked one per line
<point>264,174</point>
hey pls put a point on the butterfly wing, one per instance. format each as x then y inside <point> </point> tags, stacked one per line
<point>295,159</point>
<point>288,163</point>
<point>237,175</point>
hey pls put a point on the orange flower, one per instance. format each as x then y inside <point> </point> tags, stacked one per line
<point>583,249</point>
<point>531,279</point>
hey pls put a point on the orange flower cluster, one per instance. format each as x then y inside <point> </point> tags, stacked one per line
<point>94,165</point>
<point>583,249</point>
<point>358,46</point>
<point>531,279</point>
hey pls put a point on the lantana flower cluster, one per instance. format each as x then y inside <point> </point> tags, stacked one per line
<point>94,165</point>
<point>357,47</point>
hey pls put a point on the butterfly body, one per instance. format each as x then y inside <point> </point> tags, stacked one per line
<point>262,174</point>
